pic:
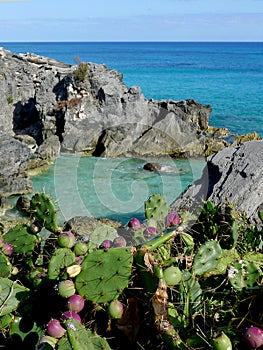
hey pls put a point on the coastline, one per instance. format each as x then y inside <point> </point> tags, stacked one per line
<point>85,109</point>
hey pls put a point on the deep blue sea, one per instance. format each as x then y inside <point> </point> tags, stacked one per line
<point>228,76</point>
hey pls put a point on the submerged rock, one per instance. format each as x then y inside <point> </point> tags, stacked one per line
<point>233,175</point>
<point>162,168</point>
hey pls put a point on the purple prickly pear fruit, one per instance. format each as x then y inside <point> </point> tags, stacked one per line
<point>119,242</point>
<point>7,249</point>
<point>253,336</point>
<point>172,219</point>
<point>150,231</point>
<point>80,248</point>
<point>66,240</point>
<point>76,303</point>
<point>106,244</point>
<point>115,309</point>
<point>134,223</point>
<point>54,328</point>
<point>71,314</point>
<point>66,288</point>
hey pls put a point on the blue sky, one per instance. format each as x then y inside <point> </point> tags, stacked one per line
<point>133,20</point>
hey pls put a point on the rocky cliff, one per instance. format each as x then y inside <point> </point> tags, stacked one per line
<point>232,176</point>
<point>92,111</point>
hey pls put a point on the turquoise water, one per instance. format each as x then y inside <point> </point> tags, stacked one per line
<point>228,76</point>
<point>113,188</point>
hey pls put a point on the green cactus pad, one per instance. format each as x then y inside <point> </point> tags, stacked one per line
<point>227,258</point>
<point>11,295</point>
<point>207,257</point>
<point>23,327</point>
<point>79,338</point>
<point>21,240</point>
<point>5,266</point>
<point>156,208</point>
<point>105,273</point>
<point>190,294</point>
<point>100,234</point>
<point>243,274</point>
<point>61,259</point>
<point>6,320</point>
<point>43,210</point>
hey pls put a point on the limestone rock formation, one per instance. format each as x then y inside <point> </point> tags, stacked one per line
<point>93,112</point>
<point>233,175</point>
<point>14,156</point>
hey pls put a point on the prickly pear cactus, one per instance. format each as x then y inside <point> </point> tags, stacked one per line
<point>156,208</point>
<point>100,234</point>
<point>11,295</point>
<point>6,320</point>
<point>243,274</point>
<point>61,259</point>
<point>105,273</point>
<point>43,210</point>
<point>227,258</point>
<point>21,239</point>
<point>5,266</point>
<point>79,338</point>
<point>207,257</point>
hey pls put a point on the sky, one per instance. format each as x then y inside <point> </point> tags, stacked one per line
<point>132,20</point>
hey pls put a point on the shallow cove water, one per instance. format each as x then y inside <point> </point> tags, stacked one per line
<point>112,188</point>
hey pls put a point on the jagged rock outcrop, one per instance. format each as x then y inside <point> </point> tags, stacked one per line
<point>233,175</point>
<point>14,156</point>
<point>92,111</point>
<point>19,159</point>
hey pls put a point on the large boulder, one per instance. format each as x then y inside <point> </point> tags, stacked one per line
<point>233,175</point>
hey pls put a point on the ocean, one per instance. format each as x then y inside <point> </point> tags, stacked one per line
<point>227,76</point>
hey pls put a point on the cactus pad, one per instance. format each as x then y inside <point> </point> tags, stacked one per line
<point>5,266</point>
<point>10,296</point>
<point>21,239</point>
<point>243,274</point>
<point>105,273</point>
<point>100,234</point>
<point>156,208</point>
<point>207,257</point>
<point>79,338</point>
<point>43,210</point>
<point>61,259</point>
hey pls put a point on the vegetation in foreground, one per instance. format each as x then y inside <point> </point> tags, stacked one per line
<point>171,282</point>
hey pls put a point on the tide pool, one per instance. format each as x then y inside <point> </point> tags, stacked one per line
<point>112,188</point>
